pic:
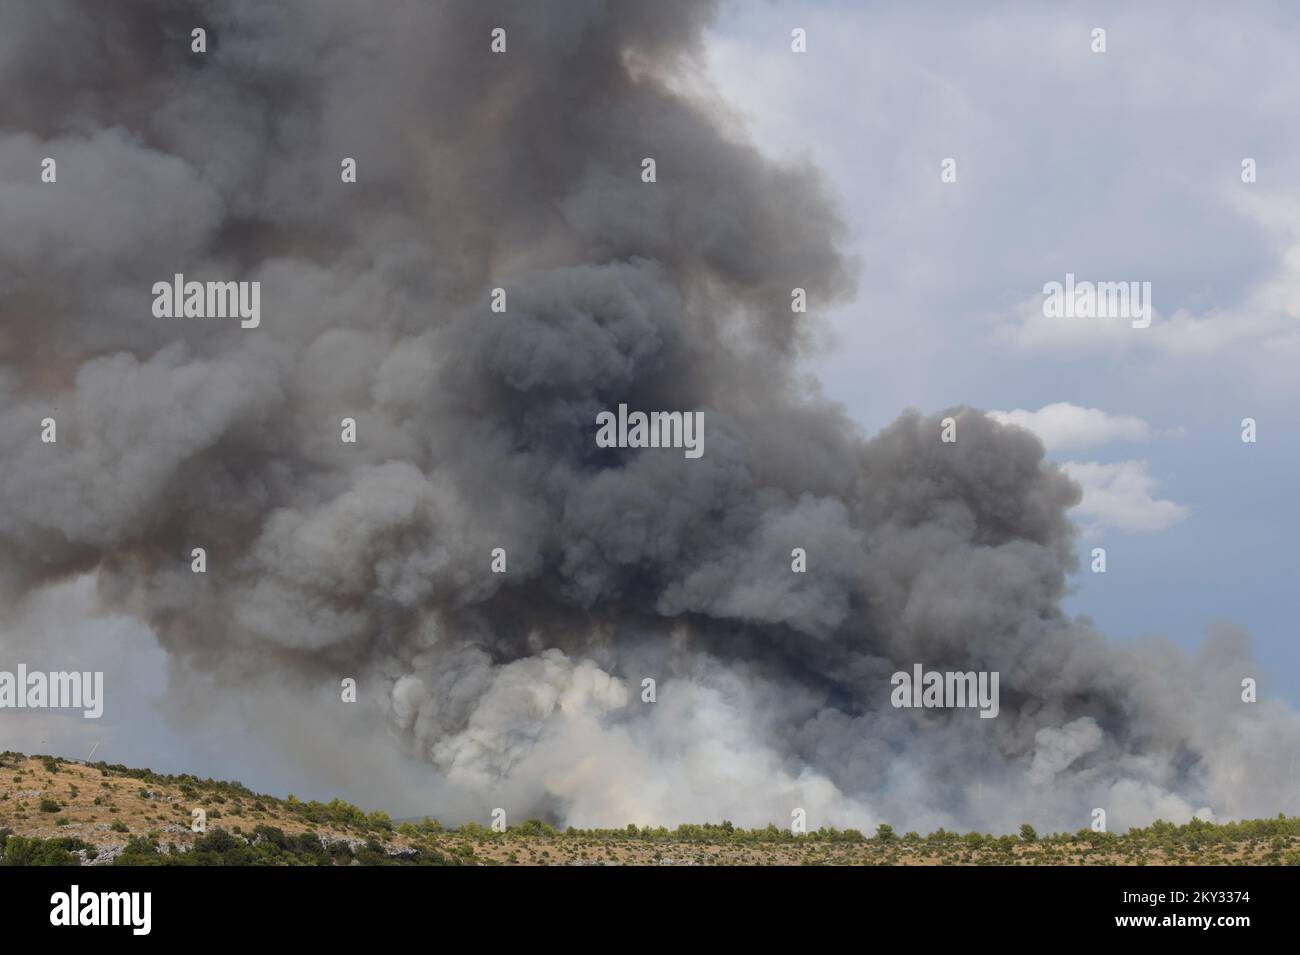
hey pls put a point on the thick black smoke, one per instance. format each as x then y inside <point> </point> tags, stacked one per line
<point>476,431</point>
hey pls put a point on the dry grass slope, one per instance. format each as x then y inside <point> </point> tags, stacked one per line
<point>54,811</point>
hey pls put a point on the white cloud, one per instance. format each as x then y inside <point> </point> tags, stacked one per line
<point>1265,321</point>
<point>1119,496</point>
<point>1063,425</point>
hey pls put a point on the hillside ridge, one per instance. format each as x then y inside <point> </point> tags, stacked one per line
<point>56,811</point>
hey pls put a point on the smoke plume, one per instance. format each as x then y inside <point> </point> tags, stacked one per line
<point>372,560</point>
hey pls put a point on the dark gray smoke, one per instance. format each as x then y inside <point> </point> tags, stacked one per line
<point>476,431</point>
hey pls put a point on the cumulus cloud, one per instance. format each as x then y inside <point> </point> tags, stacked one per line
<point>1120,496</point>
<point>1062,425</point>
<point>1263,321</point>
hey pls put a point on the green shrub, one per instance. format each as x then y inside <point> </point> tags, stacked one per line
<point>20,851</point>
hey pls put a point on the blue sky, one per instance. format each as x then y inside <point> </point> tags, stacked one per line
<point>1123,166</point>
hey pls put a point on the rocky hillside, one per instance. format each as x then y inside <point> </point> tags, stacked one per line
<point>55,811</point>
